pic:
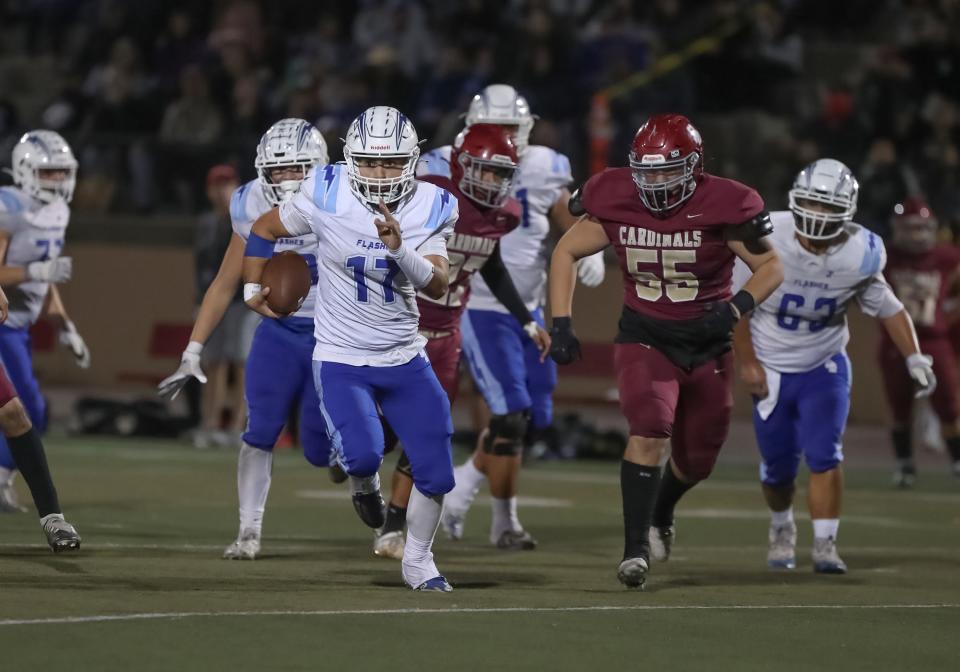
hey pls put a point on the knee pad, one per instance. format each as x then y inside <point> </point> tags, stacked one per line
<point>506,434</point>
<point>403,464</point>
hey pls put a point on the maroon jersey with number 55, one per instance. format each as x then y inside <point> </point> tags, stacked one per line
<point>675,265</point>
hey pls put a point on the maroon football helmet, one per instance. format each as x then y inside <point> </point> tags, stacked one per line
<point>914,226</point>
<point>667,161</point>
<point>482,163</point>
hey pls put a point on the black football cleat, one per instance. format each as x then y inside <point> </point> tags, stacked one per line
<point>632,572</point>
<point>61,535</point>
<point>371,508</point>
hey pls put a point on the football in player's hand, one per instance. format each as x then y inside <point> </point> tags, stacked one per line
<point>288,277</point>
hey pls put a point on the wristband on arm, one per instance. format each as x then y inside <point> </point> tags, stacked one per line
<point>414,265</point>
<point>743,302</point>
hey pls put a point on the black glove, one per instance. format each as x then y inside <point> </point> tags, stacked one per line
<point>721,316</point>
<point>718,321</point>
<point>564,346</point>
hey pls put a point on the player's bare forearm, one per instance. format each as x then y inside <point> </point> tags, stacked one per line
<point>743,342</point>
<point>54,308</point>
<point>765,264</point>
<point>899,327</point>
<point>10,275</point>
<point>220,293</point>
<point>584,238</point>
<point>440,281</point>
<point>559,213</point>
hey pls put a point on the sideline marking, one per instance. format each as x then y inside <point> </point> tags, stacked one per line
<point>175,615</point>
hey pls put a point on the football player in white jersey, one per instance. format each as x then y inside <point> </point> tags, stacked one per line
<point>504,362</point>
<point>33,220</point>
<point>286,153</point>
<point>382,236</point>
<point>792,353</point>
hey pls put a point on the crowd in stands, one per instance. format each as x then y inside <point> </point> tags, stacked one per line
<point>152,93</point>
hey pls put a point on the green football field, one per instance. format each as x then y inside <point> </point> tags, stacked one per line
<point>148,591</point>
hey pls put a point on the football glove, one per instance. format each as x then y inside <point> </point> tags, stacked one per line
<point>564,345</point>
<point>54,270</point>
<point>718,320</point>
<point>71,339</point>
<point>921,370</point>
<point>590,270</point>
<point>170,387</point>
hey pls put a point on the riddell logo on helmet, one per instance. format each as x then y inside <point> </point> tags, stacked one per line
<point>380,147</point>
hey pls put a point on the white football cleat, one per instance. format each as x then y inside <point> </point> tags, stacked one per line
<point>826,559</point>
<point>246,547</point>
<point>661,542</point>
<point>782,552</point>
<point>9,502</point>
<point>389,545</point>
<point>452,522</point>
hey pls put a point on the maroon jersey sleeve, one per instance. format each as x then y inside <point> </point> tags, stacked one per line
<point>676,264</point>
<point>474,238</point>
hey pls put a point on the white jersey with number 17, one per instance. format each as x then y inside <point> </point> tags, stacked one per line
<point>366,309</point>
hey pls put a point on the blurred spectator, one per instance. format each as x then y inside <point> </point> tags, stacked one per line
<point>149,92</point>
<point>191,125</point>
<point>885,180</point>
<point>225,351</point>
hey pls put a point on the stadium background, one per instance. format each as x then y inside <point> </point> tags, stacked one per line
<point>151,94</point>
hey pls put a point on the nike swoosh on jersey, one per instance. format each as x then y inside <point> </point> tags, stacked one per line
<point>696,215</point>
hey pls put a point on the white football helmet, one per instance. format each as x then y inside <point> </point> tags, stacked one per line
<point>44,150</point>
<point>289,143</point>
<point>828,182</point>
<point>501,104</point>
<point>381,133</point>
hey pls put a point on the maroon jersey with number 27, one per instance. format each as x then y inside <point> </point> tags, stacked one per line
<point>474,237</point>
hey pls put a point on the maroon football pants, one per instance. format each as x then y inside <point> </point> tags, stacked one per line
<point>661,400</point>
<point>444,356</point>
<point>900,387</point>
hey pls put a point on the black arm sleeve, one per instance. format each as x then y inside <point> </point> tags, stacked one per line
<point>498,279</point>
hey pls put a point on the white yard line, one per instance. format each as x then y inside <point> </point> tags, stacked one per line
<point>176,615</point>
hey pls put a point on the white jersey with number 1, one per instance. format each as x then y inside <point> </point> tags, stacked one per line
<point>36,232</point>
<point>541,177</point>
<point>247,204</point>
<point>366,309</point>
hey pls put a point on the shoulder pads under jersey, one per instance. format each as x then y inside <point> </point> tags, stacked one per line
<point>753,229</point>
<point>575,204</point>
